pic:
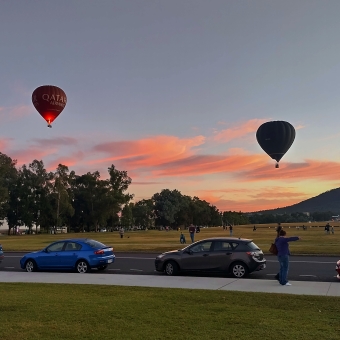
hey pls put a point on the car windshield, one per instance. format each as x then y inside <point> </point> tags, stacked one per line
<point>253,246</point>
<point>95,244</point>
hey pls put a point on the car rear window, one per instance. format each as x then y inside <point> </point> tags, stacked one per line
<point>95,244</point>
<point>253,246</point>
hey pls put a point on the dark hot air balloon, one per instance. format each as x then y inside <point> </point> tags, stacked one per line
<point>49,101</point>
<point>275,138</point>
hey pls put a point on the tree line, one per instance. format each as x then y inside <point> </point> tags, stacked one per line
<point>265,218</point>
<point>32,196</point>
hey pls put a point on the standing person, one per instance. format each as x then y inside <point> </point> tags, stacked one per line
<point>182,238</point>
<point>192,230</point>
<point>327,228</point>
<point>254,228</point>
<point>278,229</point>
<point>282,245</point>
<point>121,232</point>
<point>231,230</point>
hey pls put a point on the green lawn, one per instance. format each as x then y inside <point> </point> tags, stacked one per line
<point>314,240</point>
<point>44,311</point>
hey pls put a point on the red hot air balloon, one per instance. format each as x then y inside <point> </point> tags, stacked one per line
<point>49,101</point>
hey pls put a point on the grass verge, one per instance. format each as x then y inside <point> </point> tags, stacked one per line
<point>314,240</point>
<point>64,312</point>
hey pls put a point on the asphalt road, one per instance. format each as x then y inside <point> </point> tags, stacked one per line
<point>302,268</point>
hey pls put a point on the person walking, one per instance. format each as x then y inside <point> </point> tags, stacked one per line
<point>121,232</point>
<point>192,230</point>
<point>282,245</point>
<point>231,230</point>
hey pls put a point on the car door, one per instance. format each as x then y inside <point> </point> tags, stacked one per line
<point>221,255</point>
<point>50,258</point>
<point>197,257</point>
<point>68,257</point>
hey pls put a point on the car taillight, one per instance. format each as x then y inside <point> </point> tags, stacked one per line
<point>98,252</point>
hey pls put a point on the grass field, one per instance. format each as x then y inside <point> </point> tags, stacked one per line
<point>314,240</point>
<point>71,312</point>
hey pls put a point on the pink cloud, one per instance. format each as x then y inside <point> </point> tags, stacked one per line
<point>149,151</point>
<point>253,205</point>
<point>15,112</point>
<point>208,164</point>
<point>4,144</point>
<point>69,161</point>
<point>235,132</point>
<point>255,200</point>
<point>311,169</point>
<point>26,156</point>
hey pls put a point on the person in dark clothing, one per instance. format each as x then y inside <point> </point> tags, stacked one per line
<point>192,230</point>
<point>282,245</point>
<point>231,230</point>
<point>182,238</point>
<point>278,229</point>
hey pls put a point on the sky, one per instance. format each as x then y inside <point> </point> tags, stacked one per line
<point>173,92</point>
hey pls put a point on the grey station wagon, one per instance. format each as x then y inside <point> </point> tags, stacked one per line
<point>237,256</point>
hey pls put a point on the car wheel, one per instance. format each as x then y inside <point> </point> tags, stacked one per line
<point>239,270</point>
<point>171,268</point>
<point>30,266</point>
<point>102,267</point>
<point>82,267</point>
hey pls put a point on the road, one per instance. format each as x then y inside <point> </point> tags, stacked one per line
<point>302,268</point>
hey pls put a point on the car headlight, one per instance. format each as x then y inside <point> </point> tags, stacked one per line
<point>160,256</point>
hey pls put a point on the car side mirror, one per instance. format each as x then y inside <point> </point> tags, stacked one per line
<point>189,251</point>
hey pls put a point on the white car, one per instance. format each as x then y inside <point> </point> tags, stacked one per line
<point>337,268</point>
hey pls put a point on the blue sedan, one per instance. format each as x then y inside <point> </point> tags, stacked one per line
<point>80,255</point>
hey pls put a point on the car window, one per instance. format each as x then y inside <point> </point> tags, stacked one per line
<point>201,247</point>
<point>56,246</point>
<point>222,246</point>
<point>95,244</point>
<point>253,246</point>
<point>234,245</point>
<point>72,246</point>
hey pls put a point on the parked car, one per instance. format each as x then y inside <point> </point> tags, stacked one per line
<point>337,269</point>
<point>80,254</point>
<point>1,253</point>
<point>236,256</point>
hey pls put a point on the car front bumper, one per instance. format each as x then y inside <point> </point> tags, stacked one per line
<point>159,265</point>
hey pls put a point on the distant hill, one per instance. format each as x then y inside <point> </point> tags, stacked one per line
<point>327,201</point>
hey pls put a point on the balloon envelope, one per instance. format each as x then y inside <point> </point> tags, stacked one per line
<point>49,101</point>
<point>275,138</point>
